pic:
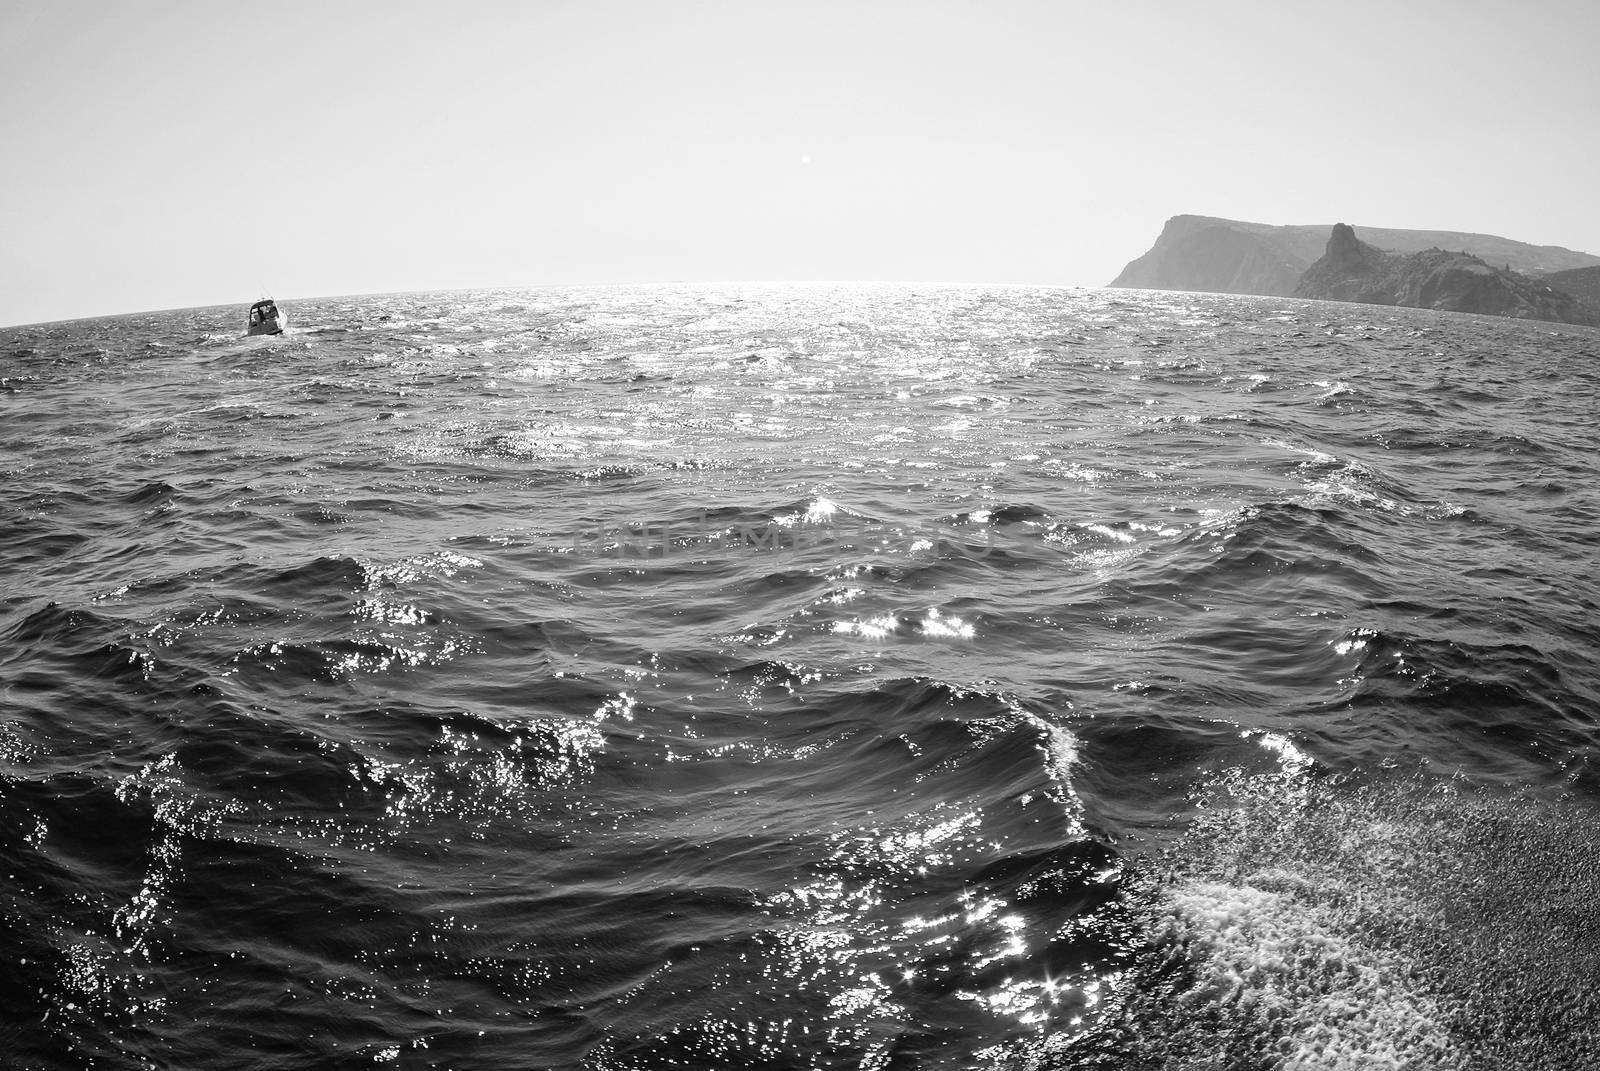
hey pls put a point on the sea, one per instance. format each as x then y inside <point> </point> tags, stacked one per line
<point>886,677</point>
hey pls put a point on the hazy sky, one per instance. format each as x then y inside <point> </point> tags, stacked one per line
<point>156,155</point>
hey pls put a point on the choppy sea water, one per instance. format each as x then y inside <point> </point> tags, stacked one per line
<point>805,677</point>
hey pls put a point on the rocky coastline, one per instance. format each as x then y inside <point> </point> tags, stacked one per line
<point>1446,270</point>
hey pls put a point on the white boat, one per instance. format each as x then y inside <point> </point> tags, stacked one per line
<point>266,318</point>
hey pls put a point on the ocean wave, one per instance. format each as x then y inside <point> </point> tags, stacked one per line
<point>883,676</point>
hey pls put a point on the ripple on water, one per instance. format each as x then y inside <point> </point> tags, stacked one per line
<point>673,676</point>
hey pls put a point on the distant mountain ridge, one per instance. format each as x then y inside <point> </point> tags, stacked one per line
<point>1238,257</point>
<point>1352,270</point>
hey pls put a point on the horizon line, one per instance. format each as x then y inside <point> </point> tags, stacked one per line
<point>567,286</point>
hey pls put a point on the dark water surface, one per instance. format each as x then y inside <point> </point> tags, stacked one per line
<point>835,677</point>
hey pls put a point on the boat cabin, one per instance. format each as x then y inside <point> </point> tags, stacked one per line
<point>265,318</point>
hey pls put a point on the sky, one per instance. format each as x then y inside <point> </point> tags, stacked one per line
<point>167,155</point>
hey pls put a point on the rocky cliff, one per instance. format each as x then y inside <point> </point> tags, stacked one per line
<point>1581,283</point>
<point>1237,257</point>
<point>1352,270</point>
<point>1197,253</point>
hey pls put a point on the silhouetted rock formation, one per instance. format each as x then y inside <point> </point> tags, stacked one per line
<point>1352,270</point>
<point>1235,257</point>
<point>1194,253</point>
